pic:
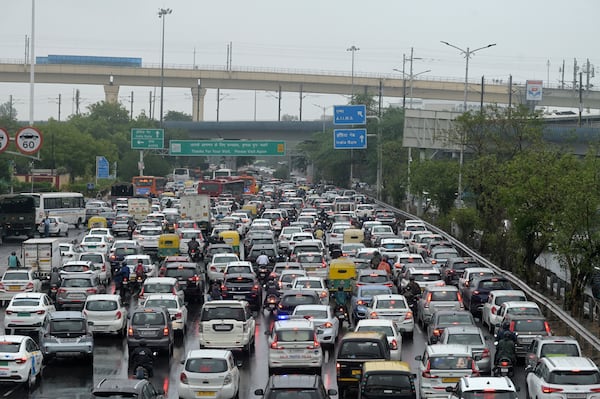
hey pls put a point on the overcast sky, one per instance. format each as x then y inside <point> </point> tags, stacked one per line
<point>308,34</point>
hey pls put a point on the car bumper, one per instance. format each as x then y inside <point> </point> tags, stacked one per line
<point>15,374</point>
<point>154,343</point>
<point>186,391</point>
<point>23,324</point>
<point>106,326</point>
<point>301,363</point>
<point>67,349</point>
<point>224,342</point>
<point>178,324</point>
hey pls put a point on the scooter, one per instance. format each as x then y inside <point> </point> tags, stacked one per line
<point>503,367</point>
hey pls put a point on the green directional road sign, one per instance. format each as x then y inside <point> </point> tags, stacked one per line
<point>226,148</point>
<point>147,139</point>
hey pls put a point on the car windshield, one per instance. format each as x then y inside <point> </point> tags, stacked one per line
<point>450,362</point>
<point>25,302</point>
<point>387,330</point>
<point>167,303</point>
<point>489,394</point>
<point>391,304</point>
<point>101,305</point>
<point>150,318</point>
<point>76,282</point>
<point>16,276</point>
<point>61,326</point>
<point>9,347</point>
<point>206,365</point>
<point>360,350</point>
<point>222,312</point>
<point>574,377</point>
<point>465,339</point>
<point>295,335</point>
<point>559,349</point>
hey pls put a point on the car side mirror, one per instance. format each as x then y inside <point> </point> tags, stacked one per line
<point>239,363</point>
<point>259,392</point>
<point>419,358</point>
<point>332,392</point>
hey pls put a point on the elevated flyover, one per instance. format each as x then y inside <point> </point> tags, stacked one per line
<point>322,82</point>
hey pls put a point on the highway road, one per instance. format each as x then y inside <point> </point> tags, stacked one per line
<point>66,379</point>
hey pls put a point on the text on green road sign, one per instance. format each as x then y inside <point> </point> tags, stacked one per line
<point>147,139</point>
<point>226,148</point>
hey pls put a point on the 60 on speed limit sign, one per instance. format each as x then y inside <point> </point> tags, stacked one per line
<point>29,140</point>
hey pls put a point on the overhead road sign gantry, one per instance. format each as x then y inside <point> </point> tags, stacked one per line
<point>240,148</point>
<point>147,139</point>
<point>349,139</point>
<point>349,114</point>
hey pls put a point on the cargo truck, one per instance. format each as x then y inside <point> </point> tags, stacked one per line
<point>139,208</point>
<point>41,255</point>
<point>196,207</point>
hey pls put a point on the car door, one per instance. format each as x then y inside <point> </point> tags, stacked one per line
<point>36,356</point>
<point>48,304</point>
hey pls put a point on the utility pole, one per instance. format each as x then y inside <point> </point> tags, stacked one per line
<point>77,102</point>
<point>300,111</point>
<point>150,106</point>
<point>279,105</point>
<point>575,70</point>
<point>589,72</point>
<point>218,102</point>
<point>562,77</point>
<point>547,73</point>
<point>403,81</point>
<point>10,106</point>
<point>131,107</point>
<point>59,103</point>
<point>580,97</point>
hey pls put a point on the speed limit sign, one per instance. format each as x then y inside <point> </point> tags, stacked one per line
<point>4,140</point>
<point>29,140</point>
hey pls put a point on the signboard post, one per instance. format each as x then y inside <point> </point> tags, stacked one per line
<point>147,139</point>
<point>226,148</point>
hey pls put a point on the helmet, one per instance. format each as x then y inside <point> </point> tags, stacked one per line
<point>55,269</point>
<point>385,257</point>
<point>262,252</point>
<point>13,253</point>
<point>193,238</point>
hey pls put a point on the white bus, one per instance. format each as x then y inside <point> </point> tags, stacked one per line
<point>222,173</point>
<point>69,206</point>
<point>181,174</point>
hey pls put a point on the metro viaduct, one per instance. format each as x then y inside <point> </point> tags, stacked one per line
<point>198,80</point>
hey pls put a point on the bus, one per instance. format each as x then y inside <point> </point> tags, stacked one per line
<point>222,174</point>
<point>149,186</point>
<point>250,186</point>
<point>69,206</point>
<point>17,215</point>
<point>215,188</point>
<point>122,190</point>
<point>181,175</point>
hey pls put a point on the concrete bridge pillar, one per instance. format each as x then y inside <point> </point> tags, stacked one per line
<point>198,103</point>
<point>111,93</point>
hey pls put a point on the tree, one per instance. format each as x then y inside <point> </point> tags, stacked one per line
<point>8,113</point>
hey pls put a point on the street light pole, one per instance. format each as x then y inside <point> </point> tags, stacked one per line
<point>161,14</point>
<point>353,49</point>
<point>467,53</point>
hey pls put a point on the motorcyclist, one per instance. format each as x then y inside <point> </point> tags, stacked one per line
<point>54,277</point>
<point>120,276</point>
<point>142,356</point>
<point>412,289</point>
<point>193,245</point>
<point>13,260</point>
<point>505,333</point>
<point>375,260</point>
<point>139,270</point>
<point>262,259</point>
<point>384,265</point>
<point>272,288</point>
<point>215,291</point>
<point>505,348</point>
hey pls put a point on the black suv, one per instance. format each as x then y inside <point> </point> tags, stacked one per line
<point>310,386</point>
<point>189,276</point>
<point>269,249</point>
<point>126,388</point>
<point>243,286</point>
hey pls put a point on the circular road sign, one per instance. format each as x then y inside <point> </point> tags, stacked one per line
<point>29,140</point>
<point>4,140</point>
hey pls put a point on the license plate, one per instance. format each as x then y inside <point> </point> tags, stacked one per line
<point>239,297</point>
<point>450,379</point>
<point>147,333</point>
<point>3,363</point>
<point>222,327</point>
<point>23,314</point>
<point>576,395</point>
<point>356,372</point>
<point>14,287</point>
<point>504,369</point>
<point>205,393</point>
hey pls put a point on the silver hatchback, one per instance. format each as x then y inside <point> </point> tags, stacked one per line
<point>437,298</point>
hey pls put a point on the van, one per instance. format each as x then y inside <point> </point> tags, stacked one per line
<point>226,324</point>
<point>307,246</point>
<point>387,379</point>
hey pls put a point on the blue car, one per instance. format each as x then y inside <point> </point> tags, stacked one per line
<point>362,295</point>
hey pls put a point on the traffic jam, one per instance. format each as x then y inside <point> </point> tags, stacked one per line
<point>293,292</point>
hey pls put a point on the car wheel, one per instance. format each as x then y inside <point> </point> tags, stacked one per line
<point>30,383</point>
<point>66,232</point>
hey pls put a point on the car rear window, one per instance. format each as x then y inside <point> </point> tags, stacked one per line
<point>515,298</point>
<point>206,365</point>
<point>306,248</point>
<point>314,313</point>
<point>308,284</point>
<point>101,305</point>
<point>150,318</point>
<point>455,319</point>
<point>380,382</point>
<point>464,339</point>
<point>25,302</point>
<point>529,325</point>
<point>66,326</point>
<point>373,278</point>
<point>185,272</point>
<point>9,347</point>
<point>239,280</point>
<point>574,377</point>
<point>96,258</point>
<point>390,304</point>
<point>559,349</point>
<point>495,285</point>
<point>426,276</point>
<point>387,330</point>
<point>444,295</point>
<point>76,282</point>
<point>222,312</point>
<point>449,362</point>
<point>525,311</point>
<point>167,303</point>
<point>299,299</point>
<point>361,350</point>
<point>16,276</point>
<point>125,251</point>
<point>493,393</point>
<point>296,335</point>
<point>158,288</point>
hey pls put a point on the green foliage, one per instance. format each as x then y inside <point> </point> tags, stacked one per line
<point>439,179</point>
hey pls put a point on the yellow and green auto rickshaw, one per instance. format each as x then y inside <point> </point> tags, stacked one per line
<point>97,222</point>
<point>231,237</point>
<point>168,245</point>
<point>340,280</point>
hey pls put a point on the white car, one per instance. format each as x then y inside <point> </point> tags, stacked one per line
<point>80,266</point>
<point>316,284</point>
<point>95,244</point>
<point>69,251</point>
<point>21,359</point>
<point>241,266</point>
<point>217,265</point>
<point>106,314</point>
<point>185,236</point>
<point>393,307</point>
<point>15,281</point>
<point>563,377</point>
<point>177,309</point>
<point>100,260</point>
<point>27,311</point>
<point>148,238</point>
<point>149,266</point>
<point>226,324</point>
<point>294,344</point>
<point>388,328</point>
<point>58,227</point>
<point>102,231</point>
<point>209,373</point>
<point>326,323</point>
<point>489,313</point>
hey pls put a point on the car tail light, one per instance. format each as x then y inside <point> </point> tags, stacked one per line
<point>394,344</point>
<point>61,290</point>
<point>474,369</point>
<point>408,316</point>
<point>373,315</point>
<point>29,286</point>
<point>130,331</point>
<point>255,287</point>
<point>195,279</point>
<point>327,325</point>
<point>166,331</point>
<point>493,310</point>
<point>274,344</point>
<point>9,312</point>
<point>595,389</point>
<point>512,326</point>
<point>323,264</point>
<point>183,378</point>
<point>360,302</point>
<point>21,360</point>
<point>459,296</point>
<point>315,344</point>
<point>429,296</point>
<point>92,290</point>
<point>486,353</point>
<point>178,315</point>
<point>118,315</point>
<point>41,311</point>
<point>504,363</point>
<point>427,372</point>
<point>323,294</point>
<point>546,389</point>
<point>476,292</point>
<point>437,332</point>
<point>223,288</point>
<point>547,328</point>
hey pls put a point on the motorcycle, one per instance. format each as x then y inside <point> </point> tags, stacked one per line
<point>143,368</point>
<point>53,291</point>
<point>271,302</point>
<point>503,367</point>
<point>195,255</point>
<point>342,314</point>
<point>124,291</point>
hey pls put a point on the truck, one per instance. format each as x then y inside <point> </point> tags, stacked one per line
<point>17,216</point>
<point>196,207</point>
<point>138,208</point>
<point>41,255</point>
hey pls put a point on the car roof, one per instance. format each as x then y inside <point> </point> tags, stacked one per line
<point>375,322</point>
<point>386,366</point>
<point>35,295</point>
<point>161,296</point>
<point>208,353</point>
<point>102,297</point>
<point>167,280</point>
<point>66,314</point>
<point>13,338</point>
<point>569,363</point>
<point>362,336</point>
<point>487,383</point>
<point>293,324</point>
<point>448,349</point>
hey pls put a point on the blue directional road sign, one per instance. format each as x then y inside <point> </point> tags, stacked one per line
<point>102,168</point>
<point>349,139</point>
<point>349,114</point>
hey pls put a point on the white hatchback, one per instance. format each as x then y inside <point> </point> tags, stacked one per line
<point>209,373</point>
<point>105,314</point>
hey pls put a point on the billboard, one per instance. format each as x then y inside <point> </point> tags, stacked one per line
<point>534,90</point>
